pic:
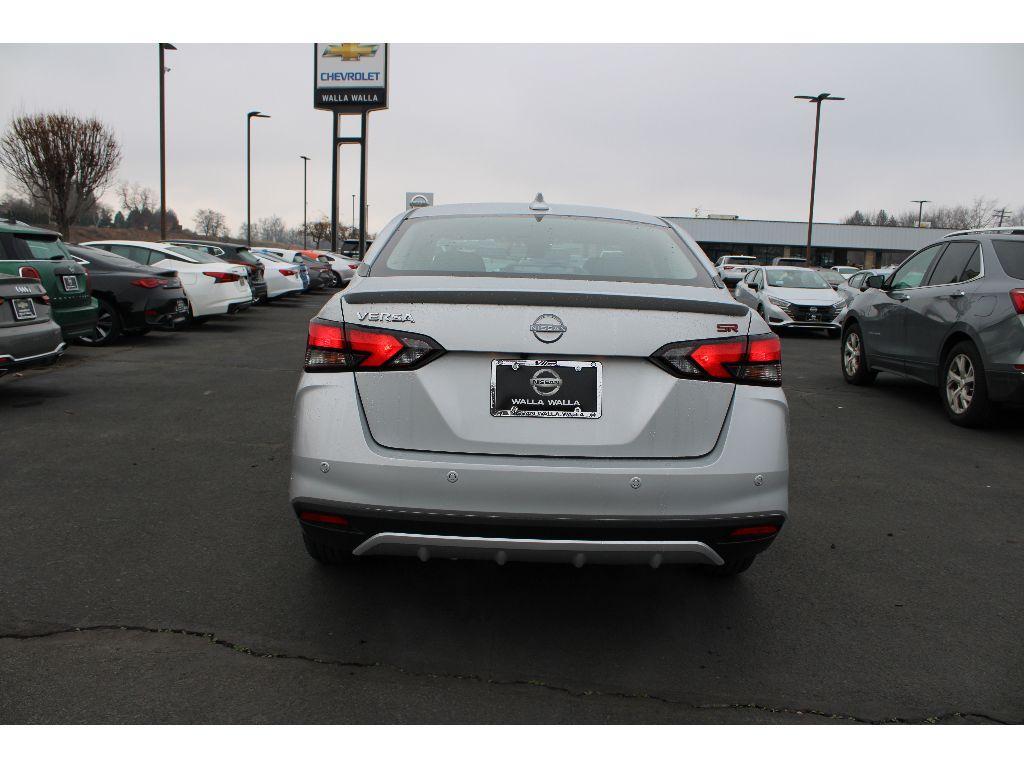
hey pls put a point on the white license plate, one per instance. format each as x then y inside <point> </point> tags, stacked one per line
<point>24,309</point>
<point>70,282</point>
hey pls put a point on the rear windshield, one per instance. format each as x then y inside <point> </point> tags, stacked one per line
<point>1011,257</point>
<point>566,247</point>
<point>738,259</point>
<point>795,278</point>
<point>194,254</point>
<point>29,247</point>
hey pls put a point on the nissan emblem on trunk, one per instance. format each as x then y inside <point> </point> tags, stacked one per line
<point>548,328</point>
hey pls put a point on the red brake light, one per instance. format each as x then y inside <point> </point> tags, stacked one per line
<point>334,346</point>
<point>755,531</point>
<point>31,273</point>
<point>742,360</point>
<point>316,517</point>
<point>353,266</point>
<point>223,277</point>
<point>149,282</point>
<point>1017,297</point>
<point>288,272</point>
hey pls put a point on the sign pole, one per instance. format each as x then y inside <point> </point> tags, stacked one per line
<point>362,184</point>
<point>334,182</point>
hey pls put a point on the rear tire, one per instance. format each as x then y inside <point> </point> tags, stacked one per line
<point>852,358</point>
<point>733,567</point>
<point>326,554</point>
<point>107,328</point>
<point>964,389</point>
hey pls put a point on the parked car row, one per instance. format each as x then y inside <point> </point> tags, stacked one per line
<point>53,293</point>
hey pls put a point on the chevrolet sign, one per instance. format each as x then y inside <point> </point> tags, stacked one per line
<point>350,77</point>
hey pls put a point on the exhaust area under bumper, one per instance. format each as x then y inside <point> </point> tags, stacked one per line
<point>579,552</point>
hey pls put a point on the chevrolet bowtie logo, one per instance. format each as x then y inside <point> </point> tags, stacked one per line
<point>350,51</point>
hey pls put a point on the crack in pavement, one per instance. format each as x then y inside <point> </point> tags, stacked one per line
<point>211,638</point>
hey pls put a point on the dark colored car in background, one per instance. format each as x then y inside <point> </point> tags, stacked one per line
<point>235,253</point>
<point>133,298</point>
<point>951,315</point>
<point>28,335</point>
<point>39,253</point>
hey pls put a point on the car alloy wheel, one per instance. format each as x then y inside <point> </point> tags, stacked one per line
<point>105,329</point>
<point>851,354</point>
<point>960,384</point>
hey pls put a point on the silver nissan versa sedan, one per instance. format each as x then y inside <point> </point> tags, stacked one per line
<point>539,382</point>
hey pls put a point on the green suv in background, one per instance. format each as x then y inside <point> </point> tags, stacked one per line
<point>39,253</point>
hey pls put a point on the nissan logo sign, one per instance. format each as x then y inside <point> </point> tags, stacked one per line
<point>546,382</point>
<point>548,328</point>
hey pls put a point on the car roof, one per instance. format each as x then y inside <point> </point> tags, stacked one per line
<point>18,228</point>
<point>524,209</point>
<point>781,268</point>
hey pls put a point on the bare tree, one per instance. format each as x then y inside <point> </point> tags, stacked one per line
<point>135,198</point>
<point>210,223</point>
<point>271,229</point>
<point>319,230</point>
<point>61,160</point>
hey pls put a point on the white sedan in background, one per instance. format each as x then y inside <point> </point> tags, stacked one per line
<point>283,279</point>
<point>342,266</point>
<point>213,286</point>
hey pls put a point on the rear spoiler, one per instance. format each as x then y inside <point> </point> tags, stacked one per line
<point>548,299</point>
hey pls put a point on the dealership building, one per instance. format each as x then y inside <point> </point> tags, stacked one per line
<point>831,244</point>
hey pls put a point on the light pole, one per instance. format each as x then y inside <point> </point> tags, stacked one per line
<point>248,173</point>
<point>305,162</point>
<point>353,211</point>
<point>816,100</point>
<point>920,210</point>
<point>163,145</point>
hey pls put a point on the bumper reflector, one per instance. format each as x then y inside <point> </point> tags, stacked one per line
<point>753,531</point>
<point>316,517</point>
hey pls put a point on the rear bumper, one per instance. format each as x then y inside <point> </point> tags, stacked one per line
<point>1005,386</point>
<point>431,534</point>
<point>337,468</point>
<point>76,321</point>
<point>238,306</point>
<point>10,363</point>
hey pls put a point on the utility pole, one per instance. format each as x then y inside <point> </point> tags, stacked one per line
<point>248,173</point>
<point>920,210</point>
<point>816,100</point>
<point>1001,213</point>
<point>163,145</point>
<point>305,163</point>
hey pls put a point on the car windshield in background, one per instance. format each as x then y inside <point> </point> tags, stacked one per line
<point>795,278</point>
<point>1011,257</point>
<point>271,256</point>
<point>194,254</point>
<point>42,247</point>
<point>569,247</point>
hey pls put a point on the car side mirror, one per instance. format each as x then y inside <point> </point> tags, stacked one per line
<point>874,281</point>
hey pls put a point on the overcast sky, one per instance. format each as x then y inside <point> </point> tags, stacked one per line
<point>660,129</point>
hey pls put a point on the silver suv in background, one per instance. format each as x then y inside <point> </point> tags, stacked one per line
<point>539,382</point>
<point>951,315</point>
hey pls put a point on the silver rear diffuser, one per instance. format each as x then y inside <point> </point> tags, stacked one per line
<point>576,551</point>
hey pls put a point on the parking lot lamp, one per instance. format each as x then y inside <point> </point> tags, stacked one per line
<point>163,145</point>
<point>920,210</point>
<point>305,163</point>
<point>816,100</point>
<point>248,173</point>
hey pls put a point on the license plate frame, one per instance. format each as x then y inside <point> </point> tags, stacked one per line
<point>540,401</point>
<point>23,308</point>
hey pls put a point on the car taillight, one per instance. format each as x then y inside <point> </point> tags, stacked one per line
<point>353,266</point>
<point>149,282</point>
<point>43,298</point>
<point>333,346</point>
<point>288,272</point>
<point>739,359</point>
<point>728,267</point>
<point>1017,297</point>
<point>173,282</point>
<point>30,272</point>
<point>223,277</point>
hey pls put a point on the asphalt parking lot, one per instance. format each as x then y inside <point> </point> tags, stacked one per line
<point>152,571</point>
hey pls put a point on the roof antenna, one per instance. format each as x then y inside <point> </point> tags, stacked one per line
<point>538,204</point>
